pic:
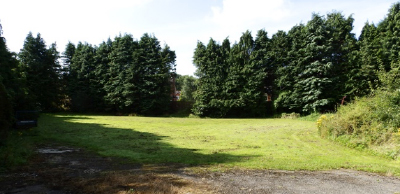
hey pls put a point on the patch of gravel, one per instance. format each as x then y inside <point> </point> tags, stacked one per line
<point>336,181</point>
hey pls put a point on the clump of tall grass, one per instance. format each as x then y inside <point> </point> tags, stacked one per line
<point>369,122</point>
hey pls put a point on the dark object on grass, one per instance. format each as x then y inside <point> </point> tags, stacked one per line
<point>26,119</point>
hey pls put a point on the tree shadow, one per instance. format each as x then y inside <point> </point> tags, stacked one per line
<point>137,147</point>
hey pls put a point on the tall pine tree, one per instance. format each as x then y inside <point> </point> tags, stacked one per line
<point>122,91</point>
<point>151,75</point>
<point>42,72</point>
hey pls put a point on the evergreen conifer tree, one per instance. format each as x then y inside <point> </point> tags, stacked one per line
<point>42,72</point>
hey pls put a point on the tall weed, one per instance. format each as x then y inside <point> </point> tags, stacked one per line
<point>370,122</point>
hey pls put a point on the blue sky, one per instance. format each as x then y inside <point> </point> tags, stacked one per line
<point>178,23</point>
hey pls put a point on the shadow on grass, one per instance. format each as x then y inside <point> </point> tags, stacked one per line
<point>138,147</point>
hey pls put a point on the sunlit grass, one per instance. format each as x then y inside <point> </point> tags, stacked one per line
<point>285,144</point>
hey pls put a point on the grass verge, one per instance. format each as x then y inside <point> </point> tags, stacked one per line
<point>218,144</point>
<point>17,148</point>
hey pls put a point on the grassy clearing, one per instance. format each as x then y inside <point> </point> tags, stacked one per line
<point>219,144</point>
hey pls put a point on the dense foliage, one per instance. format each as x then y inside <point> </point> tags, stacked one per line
<point>124,75</point>
<point>306,70</point>
<point>13,90</point>
<point>186,84</point>
<point>5,104</point>
<point>232,78</point>
<point>310,68</point>
<point>314,67</point>
<point>42,72</point>
<point>370,122</point>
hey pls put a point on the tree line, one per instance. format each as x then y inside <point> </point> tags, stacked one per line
<point>123,75</point>
<point>311,68</point>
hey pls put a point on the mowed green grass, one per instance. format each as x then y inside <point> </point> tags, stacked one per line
<point>284,144</point>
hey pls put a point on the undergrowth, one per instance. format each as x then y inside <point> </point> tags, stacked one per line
<point>371,122</point>
<point>17,148</point>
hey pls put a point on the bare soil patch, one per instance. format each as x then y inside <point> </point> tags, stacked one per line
<point>63,170</point>
<point>337,181</point>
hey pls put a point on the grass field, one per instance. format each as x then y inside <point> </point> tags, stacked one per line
<point>217,144</point>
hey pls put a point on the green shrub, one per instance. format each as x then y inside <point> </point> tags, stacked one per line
<point>5,113</point>
<point>370,122</point>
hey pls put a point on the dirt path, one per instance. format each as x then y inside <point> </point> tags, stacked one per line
<point>62,170</point>
<point>339,181</point>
